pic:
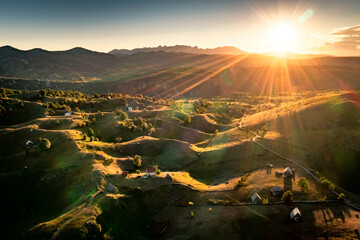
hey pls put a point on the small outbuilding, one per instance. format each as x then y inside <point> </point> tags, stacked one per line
<point>295,214</point>
<point>276,190</point>
<point>287,172</point>
<point>111,188</point>
<point>29,144</point>
<point>255,198</point>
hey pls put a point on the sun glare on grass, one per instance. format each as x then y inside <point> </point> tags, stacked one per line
<point>281,38</point>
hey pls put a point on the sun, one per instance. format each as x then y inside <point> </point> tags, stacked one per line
<point>281,38</point>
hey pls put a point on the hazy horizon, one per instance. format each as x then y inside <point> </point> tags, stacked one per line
<point>254,26</point>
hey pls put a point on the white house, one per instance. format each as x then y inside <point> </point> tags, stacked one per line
<point>255,198</point>
<point>129,109</point>
<point>295,214</point>
<point>67,113</point>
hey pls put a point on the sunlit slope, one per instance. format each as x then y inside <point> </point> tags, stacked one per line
<point>323,133</point>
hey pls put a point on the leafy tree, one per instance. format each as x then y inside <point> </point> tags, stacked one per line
<point>138,171</point>
<point>67,108</point>
<point>328,185</point>
<point>158,172</point>
<point>303,184</point>
<point>77,109</point>
<point>187,120</point>
<point>44,144</point>
<point>137,161</point>
<point>92,138</point>
<point>265,201</point>
<point>91,132</point>
<point>288,196</point>
<point>341,196</point>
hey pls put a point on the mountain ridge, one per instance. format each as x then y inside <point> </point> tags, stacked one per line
<point>228,50</point>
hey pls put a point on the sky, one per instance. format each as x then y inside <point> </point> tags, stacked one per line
<point>303,26</point>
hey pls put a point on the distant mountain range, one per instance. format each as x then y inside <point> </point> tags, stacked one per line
<point>184,49</point>
<point>174,73</point>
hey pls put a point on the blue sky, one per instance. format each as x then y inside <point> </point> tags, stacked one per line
<point>108,24</point>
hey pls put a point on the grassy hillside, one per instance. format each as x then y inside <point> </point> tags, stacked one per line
<point>206,163</point>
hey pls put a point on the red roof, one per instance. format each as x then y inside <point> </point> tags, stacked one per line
<point>150,170</point>
<point>125,173</point>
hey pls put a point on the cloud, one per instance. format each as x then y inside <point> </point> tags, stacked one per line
<point>345,41</point>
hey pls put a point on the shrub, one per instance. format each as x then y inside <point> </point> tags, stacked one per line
<point>92,138</point>
<point>77,109</point>
<point>191,203</point>
<point>240,183</point>
<point>51,112</point>
<point>44,144</point>
<point>219,202</point>
<point>118,139</point>
<point>108,161</point>
<point>216,132</point>
<point>287,196</point>
<point>322,199</point>
<point>84,136</point>
<point>210,209</point>
<point>303,184</point>
<point>265,201</point>
<point>136,161</point>
<point>341,196</point>
<point>138,171</point>
<point>67,108</point>
<point>191,214</point>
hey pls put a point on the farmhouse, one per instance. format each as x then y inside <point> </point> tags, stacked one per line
<point>276,190</point>
<point>150,171</point>
<point>295,214</point>
<point>255,198</point>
